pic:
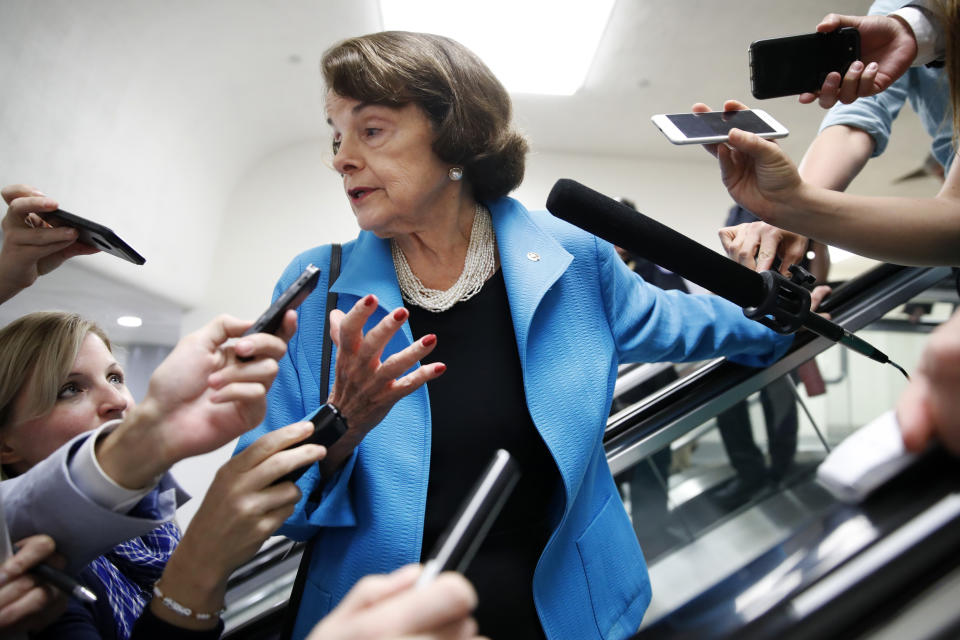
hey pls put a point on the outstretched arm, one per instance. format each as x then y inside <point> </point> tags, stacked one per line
<point>919,231</point>
<point>832,161</point>
<point>240,511</point>
<point>200,398</point>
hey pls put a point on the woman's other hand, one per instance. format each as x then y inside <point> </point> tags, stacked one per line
<point>26,604</point>
<point>756,172</point>
<point>240,511</point>
<point>31,247</point>
<point>390,607</point>
<point>929,407</point>
<point>887,49</point>
<point>365,387</point>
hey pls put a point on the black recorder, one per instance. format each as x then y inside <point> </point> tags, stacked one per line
<point>328,426</point>
<point>465,533</point>
<point>93,234</point>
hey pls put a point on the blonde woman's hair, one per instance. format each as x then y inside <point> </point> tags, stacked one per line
<point>39,348</point>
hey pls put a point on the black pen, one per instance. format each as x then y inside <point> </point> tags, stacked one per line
<point>62,581</point>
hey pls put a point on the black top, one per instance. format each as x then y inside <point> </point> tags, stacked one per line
<point>478,406</point>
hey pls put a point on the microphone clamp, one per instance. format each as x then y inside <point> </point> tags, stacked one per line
<point>785,306</point>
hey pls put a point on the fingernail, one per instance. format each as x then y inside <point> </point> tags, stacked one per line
<point>37,192</point>
<point>243,347</point>
<point>369,300</point>
<point>439,367</point>
<point>400,314</point>
<point>872,66</point>
<point>429,340</point>
<point>4,577</point>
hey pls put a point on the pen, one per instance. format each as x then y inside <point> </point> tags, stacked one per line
<point>63,582</point>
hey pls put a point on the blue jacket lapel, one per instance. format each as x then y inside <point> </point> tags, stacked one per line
<point>532,261</point>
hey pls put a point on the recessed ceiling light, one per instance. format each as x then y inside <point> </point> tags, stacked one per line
<point>534,46</point>
<point>129,321</point>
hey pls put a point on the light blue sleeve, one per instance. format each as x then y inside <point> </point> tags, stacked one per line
<point>873,115</point>
<point>653,325</point>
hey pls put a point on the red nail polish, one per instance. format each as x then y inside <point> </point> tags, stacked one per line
<point>429,341</point>
<point>400,315</point>
<point>439,367</point>
<point>369,300</point>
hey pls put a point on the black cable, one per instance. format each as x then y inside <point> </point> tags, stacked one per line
<point>899,368</point>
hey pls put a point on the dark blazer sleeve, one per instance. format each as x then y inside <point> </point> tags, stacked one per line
<point>46,500</point>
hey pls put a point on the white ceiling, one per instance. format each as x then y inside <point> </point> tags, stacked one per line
<point>183,96</point>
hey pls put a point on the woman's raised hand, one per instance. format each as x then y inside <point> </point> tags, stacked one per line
<point>365,387</point>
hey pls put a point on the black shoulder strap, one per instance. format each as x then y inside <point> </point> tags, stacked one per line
<point>335,252</point>
<point>293,605</point>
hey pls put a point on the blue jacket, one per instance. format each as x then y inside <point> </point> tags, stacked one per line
<point>577,311</point>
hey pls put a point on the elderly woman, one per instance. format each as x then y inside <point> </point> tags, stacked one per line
<point>524,315</point>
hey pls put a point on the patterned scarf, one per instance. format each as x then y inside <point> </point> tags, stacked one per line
<point>129,570</point>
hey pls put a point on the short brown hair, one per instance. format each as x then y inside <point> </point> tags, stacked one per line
<point>469,108</point>
<point>41,348</point>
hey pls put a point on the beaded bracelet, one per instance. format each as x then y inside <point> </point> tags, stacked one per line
<point>182,610</point>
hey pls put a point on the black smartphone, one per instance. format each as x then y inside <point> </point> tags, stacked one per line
<point>328,426</point>
<point>94,234</point>
<point>463,537</point>
<point>269,321</point>
<point>798,64</point>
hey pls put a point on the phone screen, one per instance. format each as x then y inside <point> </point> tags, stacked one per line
<point>718,123</point>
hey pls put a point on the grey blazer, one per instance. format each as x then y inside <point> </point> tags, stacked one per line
<point>46,500</point>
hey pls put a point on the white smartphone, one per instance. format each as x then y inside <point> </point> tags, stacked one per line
<point>714,126</point>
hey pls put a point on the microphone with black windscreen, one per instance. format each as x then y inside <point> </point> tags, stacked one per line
<point>779,303</point>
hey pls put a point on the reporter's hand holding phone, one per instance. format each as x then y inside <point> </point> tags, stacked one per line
<point>389,607</point>
<point>25,603</point>
<point>31,247</point>
<point>240,511</point>
<point>887,49</point>
<point>199,398</point>
<point>756,172</point>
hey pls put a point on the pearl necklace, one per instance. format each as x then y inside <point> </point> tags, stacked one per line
<point>478,266</point>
